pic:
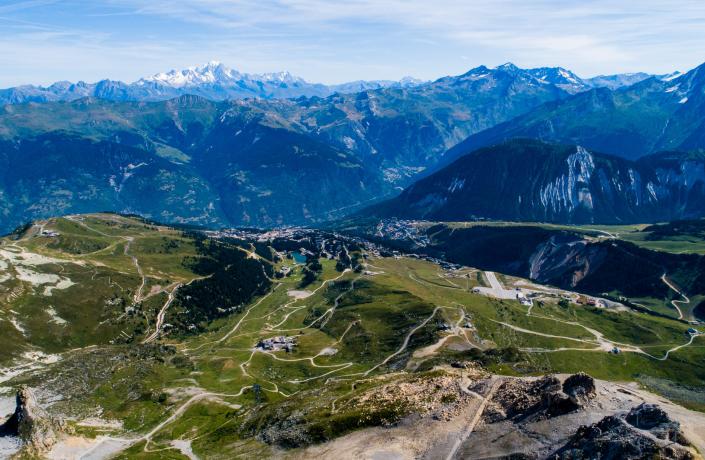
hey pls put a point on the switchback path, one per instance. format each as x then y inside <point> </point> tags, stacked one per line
<point>602,343</point>
<point>160,316</point>
<point>405,343</point>
<point>673,302</point>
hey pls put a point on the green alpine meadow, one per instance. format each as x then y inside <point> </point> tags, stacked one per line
<point>371,230</point>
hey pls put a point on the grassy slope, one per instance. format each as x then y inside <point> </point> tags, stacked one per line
<point>381,295</point>
<point>90,251</point>
<point>372,320</point>
<point>640,235</point>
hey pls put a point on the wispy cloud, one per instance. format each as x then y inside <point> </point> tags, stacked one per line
<point>11,7</point>
<point>328,40</point>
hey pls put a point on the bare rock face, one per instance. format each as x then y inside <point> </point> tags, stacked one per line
<point>654,419</point>
<point>645,432</point>
<point>517,398</point>
<point>544,397</point>
<point>648,416</point>
<point>31,424</point>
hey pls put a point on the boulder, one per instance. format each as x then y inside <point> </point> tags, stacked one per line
<point>559,404</point>
<point>543,397</point>
<point>580,388</point>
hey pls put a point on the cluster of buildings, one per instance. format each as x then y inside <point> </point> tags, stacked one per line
<point>277,343</point>
<point>523,299</point>
<point>49,233</point>
<point>591,301</point>
<point>406,230</point>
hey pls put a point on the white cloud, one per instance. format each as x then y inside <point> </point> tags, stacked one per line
<point>586,35</point>
<point>344,40</point>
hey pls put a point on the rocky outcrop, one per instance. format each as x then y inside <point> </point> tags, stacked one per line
<point>35,428</point>
<point>580,388</point>
<point>438,398</point>
<point>645,432</point>
<point>542,398</point>
<point>654,419</point>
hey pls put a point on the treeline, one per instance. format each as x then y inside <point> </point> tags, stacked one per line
<point>18,232</point>
<point>692,228</point>
<point>348,259</point>
<point>311,270</point>
<point>231,280</point>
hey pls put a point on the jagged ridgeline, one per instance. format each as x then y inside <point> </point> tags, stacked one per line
<point>533,181</point>
<point>269,161</point>
<point>243,162</point>
<point>651,116</point>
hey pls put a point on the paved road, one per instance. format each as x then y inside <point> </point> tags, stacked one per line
<point>496,289</point>
<point>494,282</point>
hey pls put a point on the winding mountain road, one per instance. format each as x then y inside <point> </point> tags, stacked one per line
<point>673,302</point>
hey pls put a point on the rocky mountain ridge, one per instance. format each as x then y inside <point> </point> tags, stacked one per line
<point>527,180</point>
<point>261,161</point>
<point>239,162</point>
<point>213,81</point>
<point>216,81</point>
<point>652,115</point>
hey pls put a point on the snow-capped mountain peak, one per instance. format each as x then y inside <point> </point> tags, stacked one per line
<point>216,73</point>
<point>409,81</point>
<point>558,76</point>
<point>210,73</point>
<point>282,77</point>
<point>507,67</point>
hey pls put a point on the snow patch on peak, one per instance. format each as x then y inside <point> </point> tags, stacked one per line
<point>671,76</point>
<point>507,66</point>
<point>216,72</point>
<point>569,76</point>
<point>282,77</point>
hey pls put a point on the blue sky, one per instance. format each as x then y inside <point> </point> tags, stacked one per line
<point>42,41</point>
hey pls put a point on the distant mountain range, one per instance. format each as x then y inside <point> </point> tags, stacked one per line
<point>268,160</point>
<point>185,160</point>
<point>213,81</point>
<point>246,162</point>
<point>529,180</point>
<point>218,82</point>
<point>650,116</point>
<point>573,84</point>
